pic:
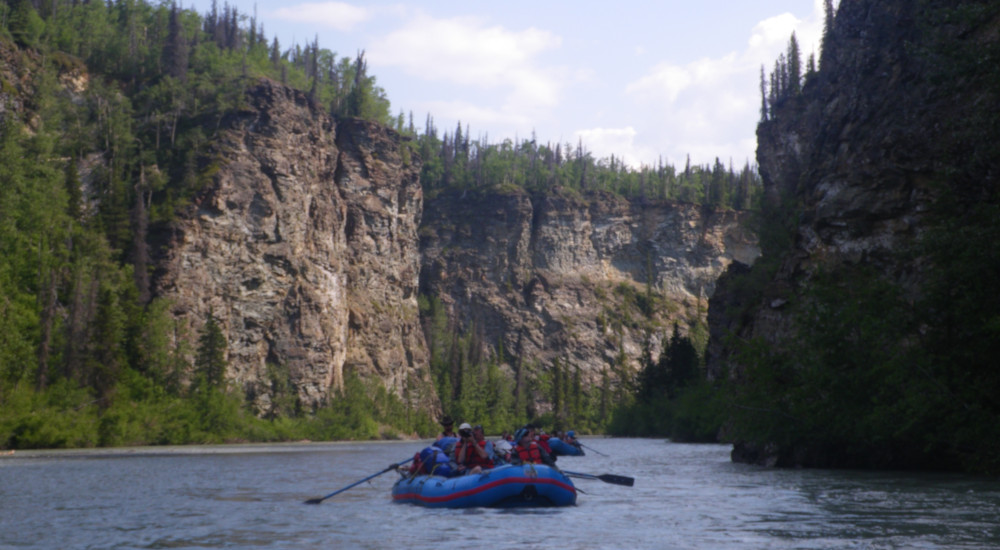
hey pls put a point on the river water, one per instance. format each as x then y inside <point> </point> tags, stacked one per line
<point>685,496</point>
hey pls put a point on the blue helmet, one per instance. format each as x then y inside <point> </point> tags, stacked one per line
<point>571,433</point>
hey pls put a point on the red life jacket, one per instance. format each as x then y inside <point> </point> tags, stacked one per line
<point>531,454</point>
<point>543,440</point>
<point>472,458</point>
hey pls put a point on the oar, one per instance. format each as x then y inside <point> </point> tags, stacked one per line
<point>338,491</point>
<point>606,478</point>
<point>589,448</point>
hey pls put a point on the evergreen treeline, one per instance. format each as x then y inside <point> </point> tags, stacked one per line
<point>107,112</point>
<point>473,385</point>
<point>456,161</point>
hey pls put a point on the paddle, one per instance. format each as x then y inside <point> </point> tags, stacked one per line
<point>589,448</point>
<point>337,492</point>
<point>606,478</point>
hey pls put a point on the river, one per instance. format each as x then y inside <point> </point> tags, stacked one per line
<point>685,496</point>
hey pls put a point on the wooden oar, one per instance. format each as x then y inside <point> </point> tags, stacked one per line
<point>606,478</point>
<point>338,491</point>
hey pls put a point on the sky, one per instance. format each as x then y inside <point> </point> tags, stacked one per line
<point>639,80</point>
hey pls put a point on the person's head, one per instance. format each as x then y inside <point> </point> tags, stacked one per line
<point>477,432</point>
<point>447,423</point>
<point>571,434</point>
<point>522,436</point>
<point>465,430</point>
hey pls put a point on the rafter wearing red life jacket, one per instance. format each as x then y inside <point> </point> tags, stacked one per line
<point>543,440</point>
<point>532,454</point>
<point>472,458</point>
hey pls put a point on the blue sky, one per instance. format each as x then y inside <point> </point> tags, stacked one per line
<point>637,79</point>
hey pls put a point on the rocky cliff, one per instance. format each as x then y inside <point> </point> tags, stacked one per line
<point>894,123</point>
<point>304,247</point>
<point>558,276</point>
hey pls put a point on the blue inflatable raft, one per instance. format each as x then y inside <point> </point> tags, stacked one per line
<point>561,448</point>
<point>534,485</point>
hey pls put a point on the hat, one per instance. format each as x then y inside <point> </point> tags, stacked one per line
<point>447,421</point>
<point>519,435</point>
<point>571,433</point>
<point>465,426</point>
<point>478,427</point>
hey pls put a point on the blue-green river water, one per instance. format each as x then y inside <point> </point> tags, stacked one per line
<point>685,496</point>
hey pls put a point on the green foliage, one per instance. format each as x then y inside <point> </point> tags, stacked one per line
<point>854,389</point>
<point>455,161</point>
<point>672,398</point>
<point>210,362</point>
<point>24,23</point>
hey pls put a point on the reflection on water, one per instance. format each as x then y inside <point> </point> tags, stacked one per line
<point>685,496</point>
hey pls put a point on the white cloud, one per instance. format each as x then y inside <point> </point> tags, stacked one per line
<point>477,116</point>
<point>467,52</point>
<point>709,108</point>
<point>604,142</point>
<point>334,15</point>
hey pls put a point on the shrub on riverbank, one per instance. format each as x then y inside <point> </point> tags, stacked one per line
<point>142,413</point>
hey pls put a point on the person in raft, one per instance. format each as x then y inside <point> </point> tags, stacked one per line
<point>528,451</point>
<point>448,428</point>
<point>480,436</point>
<point>539,435</point>
<point>470,451</point>
<point>571,439</point>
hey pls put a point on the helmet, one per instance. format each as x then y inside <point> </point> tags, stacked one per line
<point>502,447</point>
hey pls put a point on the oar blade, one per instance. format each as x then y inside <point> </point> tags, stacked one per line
<point>617,480</point>
<point>313,501</point>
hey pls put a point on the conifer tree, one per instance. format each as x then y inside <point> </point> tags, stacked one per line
<point>794,66</point>
<point>210,361</point>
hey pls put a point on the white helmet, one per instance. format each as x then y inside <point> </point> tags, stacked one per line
<point>502,447</point>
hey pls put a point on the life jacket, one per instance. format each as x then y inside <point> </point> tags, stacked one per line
<point>446,444</point>
<point>472,458</point>
<point>531,454</point>
<point>543,440</point>
<point>433,461</point>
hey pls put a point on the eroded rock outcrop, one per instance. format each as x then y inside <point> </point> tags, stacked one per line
<point>303,245</point>
<point>551,276</point>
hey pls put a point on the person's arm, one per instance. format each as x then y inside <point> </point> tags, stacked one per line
<point>515,457</point>
<point>480,450</point>
<point>546,457</point>
<point>461,456</point>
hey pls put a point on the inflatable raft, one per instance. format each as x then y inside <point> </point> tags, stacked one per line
<point>508,486</point>
<point>561,448</point>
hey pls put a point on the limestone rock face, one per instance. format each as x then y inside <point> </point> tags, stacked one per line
<point>547,275</point>
<point>303,245</point>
